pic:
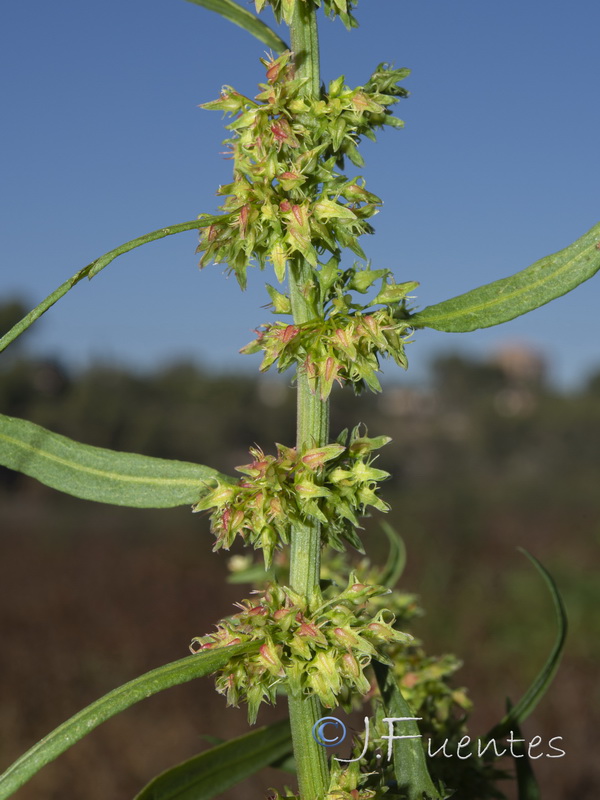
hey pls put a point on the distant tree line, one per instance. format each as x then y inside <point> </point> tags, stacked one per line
<point>496,428</point>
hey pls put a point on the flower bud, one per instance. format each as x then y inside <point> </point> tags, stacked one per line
<point>285,618</point>
<point>300,647</point>
<point>324,663</point>
<point>269,656</point>
<point>317,457</point>
<point>307,489</point>
<point>341,339</point>
<point>268,541</point>
<point>352,671</point>
<point>290,180</point>
<point>346,637</point>
<point>285,335</point>
<point>243,221</point>
<point>312,633</point>
<point>395,292</point>
<point>234,521</point>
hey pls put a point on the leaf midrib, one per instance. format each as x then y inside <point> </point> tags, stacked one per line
<point>459,312</point>
<point>117,476</point>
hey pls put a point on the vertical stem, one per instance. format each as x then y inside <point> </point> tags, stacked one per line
<point>305,567</point>
<point>312,431</point>
<point>305,45</point>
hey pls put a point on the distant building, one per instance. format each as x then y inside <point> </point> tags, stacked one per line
<point>520,363</point>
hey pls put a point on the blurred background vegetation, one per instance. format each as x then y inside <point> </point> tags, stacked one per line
<point>486,456</point>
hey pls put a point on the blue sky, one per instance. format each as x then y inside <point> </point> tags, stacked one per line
<point>102,141</point>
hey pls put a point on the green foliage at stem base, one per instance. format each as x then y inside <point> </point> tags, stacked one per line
<point>209,774</point>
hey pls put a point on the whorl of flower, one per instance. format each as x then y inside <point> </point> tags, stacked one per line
<point>284,9</point>
<point>306,649</point>
<point>345,783</point>
<point>287,199</point>
<point>340,348</point>
<point>345,345</point>
<point>332,484</point>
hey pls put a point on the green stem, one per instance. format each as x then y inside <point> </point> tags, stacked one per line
<point>305,46</point>
<point>312,431</point>
<point>305,564</point>
<point>305,567</point>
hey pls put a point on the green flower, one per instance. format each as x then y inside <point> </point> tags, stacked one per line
<point>287,199</point>
<point>332,484</point>
<point>319,649</point>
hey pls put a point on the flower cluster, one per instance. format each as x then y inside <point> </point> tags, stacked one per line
<point>345,345</point>
<point>331,484</point>
<point>287,199</point>
<point>342,348</point>
<point>345,783</point>
<point>284,9</point>
<point>306,649</point>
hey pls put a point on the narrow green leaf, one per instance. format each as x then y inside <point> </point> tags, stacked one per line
<point>245,19</point>
<point>527,785</point>
<point>78,726</point>
<point>396,560</point>
<point>286,764</point>
<point>410,765</point>
<point>502,300</point>
<point>93,473</point>
<point>94,268</point>
<point>216,770</point>
<point>255,573</point>
<point>542,681</point>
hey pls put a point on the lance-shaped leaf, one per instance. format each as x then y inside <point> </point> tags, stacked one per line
<point>527,785</point>
<point>396,560</point>
<point>503,300</point>
<point>410,765</point>
<point>95,267</point>
<point>518,713</point>
<point>216,770</point>
<point>78,726</point>
<point>93,473</point>
<point>245,19</point>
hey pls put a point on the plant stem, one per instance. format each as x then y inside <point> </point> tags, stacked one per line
<point>305,563</point>
<point>312,431</point>
<point>305,46</point>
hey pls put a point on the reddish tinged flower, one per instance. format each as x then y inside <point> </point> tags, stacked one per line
<point>332,484</point>
<point>244,211</point>
<point>341,338</point>
<point>288,333</point>
<point>310,367</point>
<point>283,134</point>
<point>310,630</point>
<point>301,647</point>
<point>330,374</point>
<point>271,659</point>
<point>273,72</point>
<point>257,611</point>
<point>298,213</point>
<point>279,132</point>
